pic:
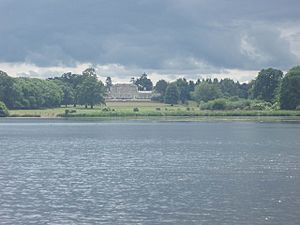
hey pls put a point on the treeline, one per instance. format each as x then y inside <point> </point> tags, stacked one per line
<point>270,86</point>
<point>69,89</point>
<point>202,90</point>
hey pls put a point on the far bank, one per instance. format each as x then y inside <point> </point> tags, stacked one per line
<point>147,109</point>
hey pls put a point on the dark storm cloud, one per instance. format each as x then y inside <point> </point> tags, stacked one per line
<point>151,34</point>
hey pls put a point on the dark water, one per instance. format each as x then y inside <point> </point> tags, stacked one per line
<point>56,172</point>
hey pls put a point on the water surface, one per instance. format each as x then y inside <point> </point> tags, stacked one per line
<point>143,172</point>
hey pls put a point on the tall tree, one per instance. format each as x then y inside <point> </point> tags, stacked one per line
<point>206,91</point>
<point>144,83</point>
<point>183,88</point>
<point>72,81</point>
<point>191,86</point>
<point>266,85</point>
<point>161,87</point>
<point>91,91</point>
<point>243,90</point>
<point>229,88</point>
<point>172,94</point>
<point>68,93</point>
<point>290,89</point>
<point>108,83</point>
<point>6,89</point>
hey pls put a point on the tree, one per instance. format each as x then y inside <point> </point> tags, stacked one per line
<point>72,81</point>
<point>172,94</point>
<point>161,87</point>
<point>91,91</point>
<point>144,83</point>
<point>32,93</point>
<point>266,85</point>
<point>3,110</point>
<point>229,88</point>
<point>183,88</point>
<point>89,72</point>
<point>68,93</point>
<point>206,91</point>
<point>6,89</point>
<point>243,90</point>
<point>108,83</point>
<point>290,89</point>
<point>132,80</point>
<point>191,86</point>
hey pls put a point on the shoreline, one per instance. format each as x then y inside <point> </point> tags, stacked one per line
<point>153,114</point>
<point>295,119</point>
<point>150,111</point>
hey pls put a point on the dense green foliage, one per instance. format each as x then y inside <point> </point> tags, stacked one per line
<point>184,90</point>
<point>91,91</point>
<point>68,97</point>
<point>71,83</point>
<point>161,87</point>
<point>269,90</point>
<point>3,110</point>
<point>33,93</point>
<point>290,89</point>
<point>266,85</point>
<point>206,91</point>
<point>172,94</point>
<point>6,89</point>
<point>236,104</point>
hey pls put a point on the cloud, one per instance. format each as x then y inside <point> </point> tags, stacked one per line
<point>122,74</point>
<point>159,36</point>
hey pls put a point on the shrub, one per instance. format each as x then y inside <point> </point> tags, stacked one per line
<point>260,106</point>
<point>3,110</point>
<point>135,109</point>
<point>105,109</point>
<point>275,106</point>
<point>157,109</point>
<point>241,104</point>
<point>218,104</point>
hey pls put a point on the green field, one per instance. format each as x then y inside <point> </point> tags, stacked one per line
<point>143,109</point>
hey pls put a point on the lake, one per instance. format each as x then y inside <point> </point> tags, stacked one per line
<point>56,171</point>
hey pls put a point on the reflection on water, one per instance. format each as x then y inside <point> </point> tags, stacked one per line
<point>66,172</point>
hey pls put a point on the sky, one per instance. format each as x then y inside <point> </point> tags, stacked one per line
<point>164,38</point>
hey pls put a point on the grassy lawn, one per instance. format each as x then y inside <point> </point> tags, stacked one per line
<point>112,107</point>
<point>123,109</point>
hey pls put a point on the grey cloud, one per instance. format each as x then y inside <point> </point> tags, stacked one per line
<point>148,34</point>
